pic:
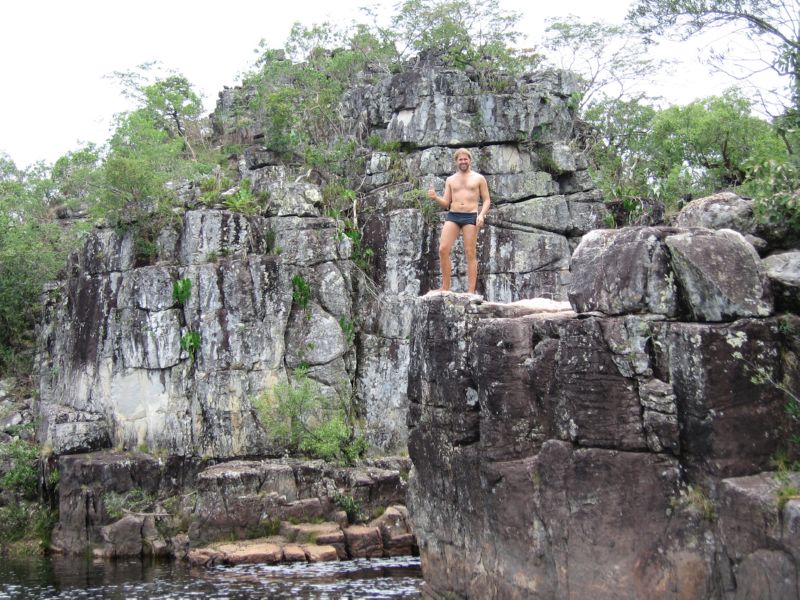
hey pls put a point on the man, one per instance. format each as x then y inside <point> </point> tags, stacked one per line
<point>462,190</point>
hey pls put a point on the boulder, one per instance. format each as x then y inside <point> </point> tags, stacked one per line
<point>698,275</point>
<point>363,542</point>
<point>783,271</point>
<point>719,275</point>
<point>725,210</point>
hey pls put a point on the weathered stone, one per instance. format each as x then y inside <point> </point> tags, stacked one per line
<point>552,453</point>
<point>623,271</point>
<point>511,187</point>
<point>713,370</point>
<point>699,274</point>
<point>724,210</point>
<point>363,542</point>
<point>783,271</point>
<point>123,538</point>
<point>320,553</point>
<point>719,275</point>
<point>396,534</point>
<point>249,552</point>
<point>381,382</point>
<point>293,553</point>
<point>71,431</point>
<point>297,199</point>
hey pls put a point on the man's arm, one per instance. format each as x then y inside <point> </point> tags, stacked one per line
<point>443,201</point>
<point>483,188</point>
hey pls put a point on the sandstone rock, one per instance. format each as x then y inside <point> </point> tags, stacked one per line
<point>320,553</point>
<point>293,553</point>
<point>758,537</point>
<point>123,538</point>
<point>235,553</point>
<point>716,276</point>
<point>552,451</point>
<point>396,534</point>
<point>713,372</point>
<point>363,542</point>
<point>724,210</point>
<point>623,271</point>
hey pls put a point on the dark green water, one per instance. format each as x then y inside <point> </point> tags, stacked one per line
<point>71,578</point>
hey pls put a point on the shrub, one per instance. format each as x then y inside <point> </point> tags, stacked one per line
<point>134,500</point>
<point>23,475</point>
<point>349,505</point>
<point>301,419</point>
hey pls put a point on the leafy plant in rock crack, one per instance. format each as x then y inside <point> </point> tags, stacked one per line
<point>349,505</point>
<point>133,501</point>
<point>301,292</point>
<point>190,343</point>
<point>181,290</point>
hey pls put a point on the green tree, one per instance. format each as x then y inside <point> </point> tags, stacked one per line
<point>708,144</point>
<point>617,139</point>
<point>31,253</point>
<point>175,108</point>
<point>152,149</point>
<point>682,151</point>
<point>77,177</point>
<point>458,30</point>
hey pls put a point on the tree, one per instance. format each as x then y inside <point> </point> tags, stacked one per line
<point>461,32</point>
<point>31,253</point>
<point>709,144</point>
<point>681,151</point>
<point>617,140</point>
<point>772,27</point>
<point>612,60</point>
<point>77,177</point>
<point>151,147</point>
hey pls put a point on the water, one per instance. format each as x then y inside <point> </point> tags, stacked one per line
<point>81,579</point>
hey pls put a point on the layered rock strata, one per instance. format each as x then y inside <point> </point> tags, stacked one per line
<point>612,448</point>
<point>194,503</point>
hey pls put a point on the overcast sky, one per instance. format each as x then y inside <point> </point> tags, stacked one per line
<point>56,55</point>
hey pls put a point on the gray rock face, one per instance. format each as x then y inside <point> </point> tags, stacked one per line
<point>725,210</point>
<point>113,370</point>
<point>558,455</point>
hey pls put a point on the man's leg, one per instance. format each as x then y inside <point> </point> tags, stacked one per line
<point>449,234</point>
<point>470,233</point>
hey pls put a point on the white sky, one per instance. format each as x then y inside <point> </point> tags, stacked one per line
<point>55,54</point>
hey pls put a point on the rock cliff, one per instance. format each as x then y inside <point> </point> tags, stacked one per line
<point>605,448</point>
<point>614,447</point>
<point>113,371</point>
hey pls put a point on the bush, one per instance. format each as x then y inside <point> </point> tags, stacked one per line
<point>26,521</point>
<point>302,420</point>
<point>23,475</point>
<point>135,500</point>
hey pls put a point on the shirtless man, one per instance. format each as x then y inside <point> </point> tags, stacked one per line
<point>462,190</point>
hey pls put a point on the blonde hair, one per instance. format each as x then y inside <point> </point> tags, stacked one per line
<point>461,151</point>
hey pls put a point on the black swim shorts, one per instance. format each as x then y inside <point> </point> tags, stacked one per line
<point>461,218</point>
